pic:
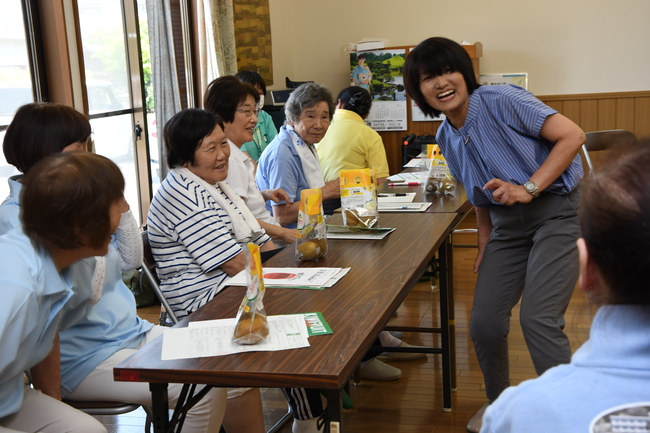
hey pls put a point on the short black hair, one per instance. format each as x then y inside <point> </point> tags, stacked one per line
<point>223,96</point>
<point>184,133</point>
<point>40,129</point>
<point>66,199</point>
<point>615,222</point>
<point>357,99</point>
<point>253,78</point>
<point>361,56</point>
<point>434,57</point>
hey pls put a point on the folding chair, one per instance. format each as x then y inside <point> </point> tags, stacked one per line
<point>149,270</point>
<point>110,408</point>
<point>603,140</point>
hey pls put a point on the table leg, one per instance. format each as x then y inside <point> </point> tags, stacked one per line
<point>444,327</point>
<point>334,410</point>
<point>452,311</point>
<point>160,407</point>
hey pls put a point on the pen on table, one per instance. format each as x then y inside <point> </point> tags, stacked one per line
<point>399,194</point>
<point>399,207</point>
<point>404,184</point>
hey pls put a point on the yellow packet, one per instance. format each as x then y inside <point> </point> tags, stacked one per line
<point>311,243</point>
<point>359,197</point>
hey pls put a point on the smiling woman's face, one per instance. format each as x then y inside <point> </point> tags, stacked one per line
<point>241,129</point>
<point>211,158</point>
<point>313,123</point>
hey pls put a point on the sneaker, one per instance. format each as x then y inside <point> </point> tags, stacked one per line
<point>377,370</point>
<point>474,424</point>
<point>401,356</point>
<point>305,425</point>
<point>396,334</point>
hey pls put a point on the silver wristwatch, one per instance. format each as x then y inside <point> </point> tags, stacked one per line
<point>531,188</point>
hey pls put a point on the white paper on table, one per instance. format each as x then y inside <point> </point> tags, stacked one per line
<point>289,277</point>
<point>393,198</point>
<point>403,207</point>
<point>287,332</point>
<point>414,176</point>
<point>342,273</point>
<point>415,162</point>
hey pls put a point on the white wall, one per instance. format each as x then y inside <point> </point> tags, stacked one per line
<point>566,46</point>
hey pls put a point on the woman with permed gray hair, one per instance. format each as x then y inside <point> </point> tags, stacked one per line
<point>290,161</point>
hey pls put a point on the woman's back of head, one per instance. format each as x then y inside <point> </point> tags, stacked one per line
<point>252,78</point>
<point>357,99</point>
<point>40,129</point>
<point>615,221</point>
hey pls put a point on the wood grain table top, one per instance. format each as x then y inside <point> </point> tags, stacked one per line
<point>357,308</point>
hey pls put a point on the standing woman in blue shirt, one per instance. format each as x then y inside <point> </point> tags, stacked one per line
<point>517,159</point>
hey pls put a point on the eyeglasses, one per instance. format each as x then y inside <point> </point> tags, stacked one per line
<point>249,111</point>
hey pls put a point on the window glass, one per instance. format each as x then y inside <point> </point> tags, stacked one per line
<point>15,76</point>
<point>107,86</point>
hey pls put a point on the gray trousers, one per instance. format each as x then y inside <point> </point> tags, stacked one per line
<point>532,256</point>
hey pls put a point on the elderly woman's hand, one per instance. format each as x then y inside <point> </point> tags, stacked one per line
<point>276,195</point>
<point>289,235</point>
<point>332,189</point>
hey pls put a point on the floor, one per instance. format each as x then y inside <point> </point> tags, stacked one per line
<point>413,404</point>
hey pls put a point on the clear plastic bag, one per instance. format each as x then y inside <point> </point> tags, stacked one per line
<point>439,178</point>
<point>311,243</point>
<point>251,324</point>
<point>359,198</point>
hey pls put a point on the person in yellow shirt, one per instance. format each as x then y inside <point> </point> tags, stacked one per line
<point>349,143</point>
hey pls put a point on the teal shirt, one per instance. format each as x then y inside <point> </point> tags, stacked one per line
<point>264,133</point>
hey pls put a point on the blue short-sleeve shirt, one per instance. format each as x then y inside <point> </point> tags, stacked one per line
<point>280,167</point>
<point>500,139</point>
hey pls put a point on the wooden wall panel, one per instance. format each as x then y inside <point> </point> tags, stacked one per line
<point>625,113</point>
<point>606,114</point>
<point>556,105</point>
<point>589,115</point>
<point>642,117</point>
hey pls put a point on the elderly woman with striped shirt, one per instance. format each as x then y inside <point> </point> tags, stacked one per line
<point>197,226</point>
<point>517,159</point>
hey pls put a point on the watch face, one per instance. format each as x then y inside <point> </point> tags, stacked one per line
<point>529,187</point>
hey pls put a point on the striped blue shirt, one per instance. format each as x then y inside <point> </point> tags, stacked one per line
<point>500,139</point>
<point>191,237</point>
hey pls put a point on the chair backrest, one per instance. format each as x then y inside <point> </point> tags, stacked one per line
<point>603,140</point>
<point>149,270</point>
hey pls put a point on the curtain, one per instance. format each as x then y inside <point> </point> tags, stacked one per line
<point>166,90</point>
<point>218,55</point>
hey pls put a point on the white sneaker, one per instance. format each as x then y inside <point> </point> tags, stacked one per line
<point>474,424</point>
<point>304,425</point>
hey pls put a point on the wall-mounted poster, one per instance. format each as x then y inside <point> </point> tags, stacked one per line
<point>518,79</point>
<point>380,72</point>
<point>418,116</point>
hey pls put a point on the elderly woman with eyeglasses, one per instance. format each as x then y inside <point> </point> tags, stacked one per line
<point>237,104</point>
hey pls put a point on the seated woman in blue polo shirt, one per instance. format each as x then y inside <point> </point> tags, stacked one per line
<point>608,378</point>
<point>68,214</point>
<point>110,330</point>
